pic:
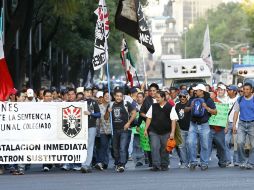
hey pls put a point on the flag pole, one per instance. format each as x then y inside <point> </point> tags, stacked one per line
<point>138,79</point>
<point>1,24</point>
<point>108,74</point>
<point>144,65</point>
<point>124,66</point>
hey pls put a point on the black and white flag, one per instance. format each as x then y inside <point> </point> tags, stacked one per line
<point>130,19</point>
<point>100,56</point>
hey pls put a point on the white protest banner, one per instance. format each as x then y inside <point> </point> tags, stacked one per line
<point>40,132</point>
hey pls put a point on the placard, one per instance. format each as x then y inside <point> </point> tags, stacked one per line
<point>221,119</point>
<point>40,132</point>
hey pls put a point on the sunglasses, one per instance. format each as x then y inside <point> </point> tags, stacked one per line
<point>240,90</point>
<point>182,96</point>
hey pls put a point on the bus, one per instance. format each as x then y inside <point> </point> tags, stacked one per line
<point>243,73</point>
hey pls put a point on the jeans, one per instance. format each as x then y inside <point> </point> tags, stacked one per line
<point>184,148</point>
<point>137,153</point>
<point>219,140</point>
<point>235,154</point>
<point>129,143</point>
<point>228,138</point>
<point>120,146</point>
<point>103,156</point>
<point>203,131</point>
<point>158,144</point>
<point>243,130</point>
<point>90,146</point>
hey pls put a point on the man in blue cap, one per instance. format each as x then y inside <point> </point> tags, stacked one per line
<point>184,123</point>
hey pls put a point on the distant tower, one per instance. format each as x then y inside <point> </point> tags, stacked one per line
<point>168,9</point>
<point>170,39</point>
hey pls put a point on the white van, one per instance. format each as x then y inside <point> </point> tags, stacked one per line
<point>185,72</point>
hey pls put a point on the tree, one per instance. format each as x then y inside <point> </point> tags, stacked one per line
<point>68,24</point>
<point>248,7</point>
<point>226,25</point>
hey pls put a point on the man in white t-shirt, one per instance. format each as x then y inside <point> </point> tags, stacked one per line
<point>232,98</point>
<point>161,124</point>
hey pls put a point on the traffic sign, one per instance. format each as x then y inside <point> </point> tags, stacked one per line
<point>232,51</point>
<point>248,60</point>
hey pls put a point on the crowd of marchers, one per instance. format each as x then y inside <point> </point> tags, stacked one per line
<point>174,120</point>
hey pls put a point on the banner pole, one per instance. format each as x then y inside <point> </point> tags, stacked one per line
<point>1,25</point>
<point>144,65</point>
<point>124,66</point>
<point>108,75</point>
<point>138,79</point>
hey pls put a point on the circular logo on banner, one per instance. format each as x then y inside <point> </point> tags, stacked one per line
<point>71,121</point>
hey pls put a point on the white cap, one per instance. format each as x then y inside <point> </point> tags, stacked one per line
<point>80,89</point>
<point>200,87</point>
<point>99,94</point>
<point>30,92</point>
<point>222,86</point>
<point>240,85</point>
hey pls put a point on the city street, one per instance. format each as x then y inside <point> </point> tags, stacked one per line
<point>83,81</point>
<point>141,178</point>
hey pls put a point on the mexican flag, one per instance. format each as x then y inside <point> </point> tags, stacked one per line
<point>6,83</point>
<point>127,62</point>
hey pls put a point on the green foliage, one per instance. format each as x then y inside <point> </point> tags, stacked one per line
<point>70,26</point>
<point>248,7</point>
<point>77,30</point>
<point>227,25</point>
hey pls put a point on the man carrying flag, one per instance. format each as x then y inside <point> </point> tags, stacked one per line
<point>127,62</point>
<point>100,56</point>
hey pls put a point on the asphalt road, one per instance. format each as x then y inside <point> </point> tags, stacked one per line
<point>132,179</point>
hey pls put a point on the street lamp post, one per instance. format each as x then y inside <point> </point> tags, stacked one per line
<point>185,45</point>
<point>231,50</point>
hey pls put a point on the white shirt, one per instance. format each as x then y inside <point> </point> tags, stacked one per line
<point>173,114</point>
<point>231,102</point>
<point>224,99</point>
<point>128,98</point>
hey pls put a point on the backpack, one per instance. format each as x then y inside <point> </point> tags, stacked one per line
<point>198,110</point>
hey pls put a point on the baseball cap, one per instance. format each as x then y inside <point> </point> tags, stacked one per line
<point>200,87</point>
<point>222,86</point>
<point>133,90</point>
<point>183,92</point>
<point>99,94</point>
<point>95,87</point>
<point>80,89</point>
<point>118,89</point>
<point>30,92</point>
<point>233,87</point>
